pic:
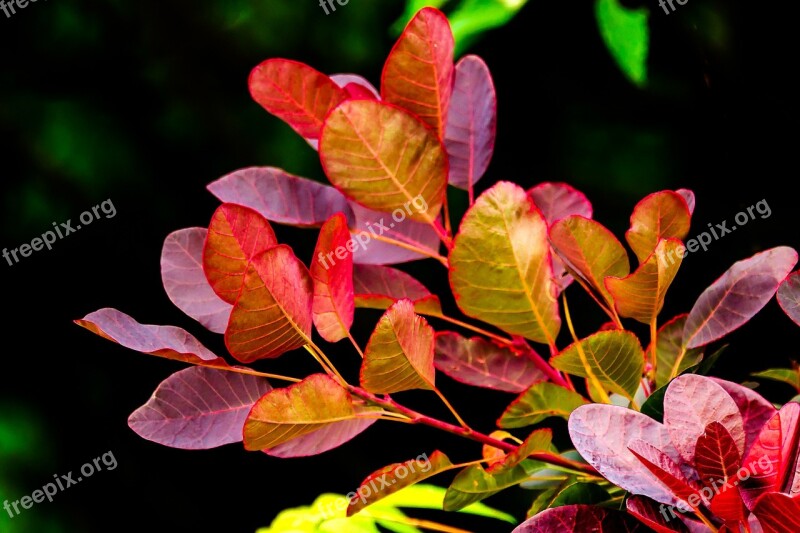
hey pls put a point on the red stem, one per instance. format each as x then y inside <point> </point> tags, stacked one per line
<point>554,375</point>
<point>419,418</point>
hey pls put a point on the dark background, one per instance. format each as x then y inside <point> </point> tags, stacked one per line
<point>146,102</point>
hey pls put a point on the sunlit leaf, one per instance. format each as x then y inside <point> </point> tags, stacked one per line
<point>539,440</point>
<point>539,402</point>
<point>614,358</point>
<point>418,74</point>
<point>399,354</point>
<point>273,313</point>
<point>627,36</point>
<point>474,484</point>
<point>332,273</point>
<point>198,408</point>
<point>185,282</point>
<point>236,235</point>
<point>661,215</point>
<point>784,375</point>
<point>384,158</point>
<point>378,287</point>
<point>483,364</point>
<point>737,296</point>
<point>500,269</point>
<point>281,197</point>
<point>296,93</point>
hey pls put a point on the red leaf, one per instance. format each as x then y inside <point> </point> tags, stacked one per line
<point>656,519</point>
<point>357,87</point>
<point>772,462</point>
<point>482,364</point>
<point>378,287</point>
<point>322,440</point>
<point>198,408</point>
<point>601,434</point>
<point>661,215</point>
<point>727,504</point>
<point>789,296</point>
<point>471,122</point>
<point>296,93</point>
<point>371,224</point>
<point>418,74</point>
<point>332,272</point>
<point>693,402</point>
<point>162,341</point>
<point>663,467</point>
<point>716,456</point>
<point>778,513</point>
<point>737,296</point>
<point>281,197</point>
<point>185,282</point>
<point>581,519</point>
<point>755,410</point>
<point>273,313</point>
<point>688,196</point>
<point>235,236</point>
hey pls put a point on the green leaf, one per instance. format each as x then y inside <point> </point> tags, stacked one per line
<point>423,496</point>
<point>500,267</point>
<point>783,375</point>
<point>471,18</point>
<point>474,484</point>
<point>399,354</point>
<point>546,498</point>
<point>615,358</point>
<point>672,358</point>
<point>581,493</point>
<point>540,401</point>
<point>538,441</point>
<point>627,36</point>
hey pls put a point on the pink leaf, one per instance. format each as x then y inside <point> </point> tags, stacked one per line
<point>737,296</point>
<point>693,402</point>
<point>480,363</point>
<point>322,440</point>
<point>281,197</point>
<point>332,272</point>
<point>559,200</point>
<point>688,196</point>
<point>755,410</point>
<point>581,519</point>
<point>601,434</point>
<point>357,87</point>
<point>789,296</point>
<point>371,251</point>
<point>296,93</point>
<point>198,408</point>
<point>185,282</point>
<point>162,341</point>
<point>471,122</point>
<point>378,287</point>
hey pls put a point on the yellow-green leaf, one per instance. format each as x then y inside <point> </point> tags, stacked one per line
<point>540,401</point>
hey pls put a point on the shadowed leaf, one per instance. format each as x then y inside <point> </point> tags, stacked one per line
<point>332,307</point>
<point>646,511</point>
<point>779,513</point>
<point>789,297</point>
<point>371,251</point>
<point>378,287</point>
<point>581,519</point>
<point>661,215</point>
<point>672,357</point>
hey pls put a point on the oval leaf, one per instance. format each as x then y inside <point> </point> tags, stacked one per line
<point>539,402</point>
<point>185,282</point>
<point>737,296</point>
<point>500,269</point>
<point>779,513</point>
<point>273,313</point>
<point>296,93</point>
<point>332,272</point>
<point>378,287</point>
<point>399,354</point>
<point>281,197</point>
<point>369,225</point>
<point>661,215</point>
<point>755,410</point>
<point>235,236</point>
<point>357,87</point>
<point>162,341</point>
<point>614,358</point>
<point>198,408</point>
<point>310,406</point>
<point>418,74</point>
<point>480,363</point>
<point>557,201</point>
<point>580,519</point>
<point>471,123</point>
<point>672,358</point>
<point>641,295</point>
<point>384,158</point>
<point>789,297</point>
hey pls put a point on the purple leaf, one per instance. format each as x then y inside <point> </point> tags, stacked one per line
<point>346,82</point>
<point>601,434</point>
<point>688,195</point>
<point>737,296</point>
<point>378,287</point>
<point>169,342</point>
<point>559,200</point>
<point>281,197</point>
<point>371,251</point>
<point>471,122</point>
<point>755,410</point>
<point>581,519</point>
<point>480,363</point>
<point>322,440</point>
<point>693,402</point>
<point>198,408</point>
<point>186,283</point>
<point>789,296</point>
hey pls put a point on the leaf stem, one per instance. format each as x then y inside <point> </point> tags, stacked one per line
<point>554,375</point>
<point>355,344</point>
<point>653,351</point>
<point>452,409</point>
<point>470,327</point>
<point>407,246</point>
<point>251,372</point>
<point>416,522</point>
<point>443,234</point>
<point>323,360</point>
<point>419,418</point>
